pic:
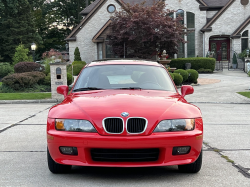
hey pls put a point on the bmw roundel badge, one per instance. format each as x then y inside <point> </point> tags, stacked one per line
<point>124,114</point>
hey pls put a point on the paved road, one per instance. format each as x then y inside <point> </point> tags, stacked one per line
<point>23,145</point>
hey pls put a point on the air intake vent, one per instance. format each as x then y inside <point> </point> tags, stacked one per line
<point>136,125</point>
<point>125,155</point>
<point>113,125</point>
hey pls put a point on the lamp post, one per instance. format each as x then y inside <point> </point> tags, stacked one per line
<point>247,52</point>
<point>33,48</point>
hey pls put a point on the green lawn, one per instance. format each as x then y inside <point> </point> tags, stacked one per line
<point>24,96</point>
<point>246,94</point>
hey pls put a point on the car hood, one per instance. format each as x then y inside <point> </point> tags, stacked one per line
<point>94,106</point>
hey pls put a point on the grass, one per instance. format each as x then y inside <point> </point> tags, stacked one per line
<point>246,94</point>
<point>24,96</point>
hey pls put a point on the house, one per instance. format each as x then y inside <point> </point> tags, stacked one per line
<point>219,27</point>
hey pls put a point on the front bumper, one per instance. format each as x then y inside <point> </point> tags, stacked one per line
<point>87,141</point>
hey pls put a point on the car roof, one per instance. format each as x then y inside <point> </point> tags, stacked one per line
<point>124,61</point>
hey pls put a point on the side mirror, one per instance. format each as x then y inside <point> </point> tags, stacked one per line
<point>63,89</point>
<point>186,90</point>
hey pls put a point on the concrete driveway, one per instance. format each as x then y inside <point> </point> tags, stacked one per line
<point>226,138</point>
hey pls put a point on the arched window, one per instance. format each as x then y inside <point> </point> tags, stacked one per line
<point>180,13</point>
<point>244,40</point>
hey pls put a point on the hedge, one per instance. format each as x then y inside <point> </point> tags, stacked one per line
<point>177,79</point>
<point>23,80</point>
<point>196,63</point>
<point>22,67</point>
<point>193,75</point>
<point>172,76</point>
<point>183,73</point>
<point>5,69</point>
<point>76,69</point>
<point>79,62</point>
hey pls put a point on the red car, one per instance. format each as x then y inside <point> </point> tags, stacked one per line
<point>124,113</point>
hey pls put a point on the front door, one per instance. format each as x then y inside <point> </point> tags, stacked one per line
<point>220,47</point>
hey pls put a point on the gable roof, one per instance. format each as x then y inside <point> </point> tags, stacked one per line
<point>99,37</point>
<point>89,8</point>
<point>236,33</point>
<point>216,3</point>
<point>208,27</point>
<point>202,2</point>
<point>72,36</point>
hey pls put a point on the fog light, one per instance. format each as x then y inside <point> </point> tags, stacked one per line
<point>181,150</point>
<point>68,150</point>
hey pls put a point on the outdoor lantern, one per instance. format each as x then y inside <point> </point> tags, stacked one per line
<point>67,46</point>
<point>247,52</point>
<point>33,46</point>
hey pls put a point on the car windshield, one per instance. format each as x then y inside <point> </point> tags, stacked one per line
<point>124,77</point>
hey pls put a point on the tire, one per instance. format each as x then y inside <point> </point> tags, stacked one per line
<point>55,167</point>
<point>192,168</point>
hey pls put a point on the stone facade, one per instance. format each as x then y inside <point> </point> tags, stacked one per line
<point>224,26</point>
<point>58,73</point>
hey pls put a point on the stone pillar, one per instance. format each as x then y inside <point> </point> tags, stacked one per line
<point>58,74</point>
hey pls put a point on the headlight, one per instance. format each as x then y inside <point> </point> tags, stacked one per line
<point>74,125</point>
<point>175,125</point>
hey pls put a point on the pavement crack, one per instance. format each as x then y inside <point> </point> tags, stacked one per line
<point>244,171</point>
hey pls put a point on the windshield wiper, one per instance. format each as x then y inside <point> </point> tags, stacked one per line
<point>86,89</point>
<point>129,88</point>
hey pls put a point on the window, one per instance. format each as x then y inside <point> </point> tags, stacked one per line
<point>99,51</point>
<point>244,41</point>
<point>111,8</point>
<point>188,49</point>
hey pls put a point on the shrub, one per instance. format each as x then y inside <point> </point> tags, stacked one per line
<point>196,63</point>
<point>172,76</point>
<point>69,79</point>
<point>234,59</point>
<point>5,69</point>
<point>23,80</point>
<point>77,55</point>
<point>202,70</point>
<point>183,73</point>
<point>76,69</point>
<point>193,75</point>
<point>22,67</point>
<point>177,79</point>
<point>21,54</point>
<point>79,62</point>
<point>47,80</point>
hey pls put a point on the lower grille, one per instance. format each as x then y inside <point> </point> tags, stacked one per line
<point>125,155</point>
<point>113,125</point>
<point>136,125</point>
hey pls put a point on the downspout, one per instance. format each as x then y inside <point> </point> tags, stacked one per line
<point>204,55</point>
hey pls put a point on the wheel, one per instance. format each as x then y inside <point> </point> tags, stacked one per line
<point>55,167</point>
<point>192,168</point>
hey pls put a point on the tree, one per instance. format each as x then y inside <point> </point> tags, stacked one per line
<point>21,55</point>
<point>145,30</point>
<point>77,55</point>
<point>16,26</point>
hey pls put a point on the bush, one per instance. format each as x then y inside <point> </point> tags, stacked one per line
<point>47,80</point>
<point>183,73</point>
<point>177,79</point>
<point>172,76</point>
<point>193,75</point>
<point>79,62</point>
<point>69,79</point>
<point>47,66</point>
<point>196,63</point>
<point>202,70</point>
<point>77,55</point>
<point>5,69</point>
<point>22,67</point>
<point>23,80</point>
<point>21,54</point>
<point>76,69</point>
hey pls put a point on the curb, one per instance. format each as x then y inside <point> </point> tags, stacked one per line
<point>29,101</point>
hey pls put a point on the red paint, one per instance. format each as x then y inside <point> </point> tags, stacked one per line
<point>63,90</point>
<point>153,105</point>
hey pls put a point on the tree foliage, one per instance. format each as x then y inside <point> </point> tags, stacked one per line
<point>21,54</point>
<point>145,31</point>
<point>16,26</point>
<point>77,56</point>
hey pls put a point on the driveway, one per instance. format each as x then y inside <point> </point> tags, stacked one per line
<point>226,138</point>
